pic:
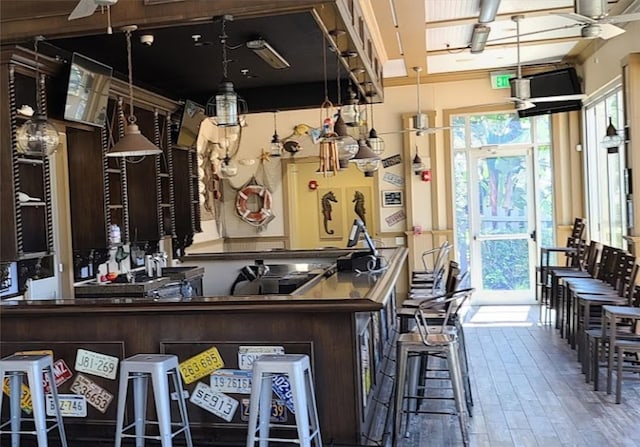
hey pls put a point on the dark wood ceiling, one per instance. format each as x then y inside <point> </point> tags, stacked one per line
<point>177,68</point>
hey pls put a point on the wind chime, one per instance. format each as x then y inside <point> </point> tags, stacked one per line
<point>328,155</point>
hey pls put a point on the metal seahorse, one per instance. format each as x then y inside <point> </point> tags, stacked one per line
<point>326,209</point>
<point>358,208</point>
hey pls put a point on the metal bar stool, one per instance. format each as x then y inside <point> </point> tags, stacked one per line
<point>442,340</point>
<point>267,371</point>
<point>139,368</point>
<point>15,367</point>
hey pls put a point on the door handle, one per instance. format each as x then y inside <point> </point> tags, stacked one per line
<point>534,236</point>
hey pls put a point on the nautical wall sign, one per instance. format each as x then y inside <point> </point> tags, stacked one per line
<point>391,161</point>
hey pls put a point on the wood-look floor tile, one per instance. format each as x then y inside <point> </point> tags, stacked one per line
<point>528,390</point>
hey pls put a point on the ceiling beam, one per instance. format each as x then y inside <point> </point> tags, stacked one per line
<point>505,44</point>
<point>499,17</point>
<point>411,14</point>
<point>23,19</point>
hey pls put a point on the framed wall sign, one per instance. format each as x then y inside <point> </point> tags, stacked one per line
<point>392,198</point>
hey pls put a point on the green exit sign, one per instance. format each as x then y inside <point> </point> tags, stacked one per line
<point>501,80</point>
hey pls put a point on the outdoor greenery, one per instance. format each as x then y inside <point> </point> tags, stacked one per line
<point>503,182</point>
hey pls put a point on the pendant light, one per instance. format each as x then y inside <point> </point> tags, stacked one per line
<point>228,167</point>
<point>351,111</point>
<point>612,139</point>
<point>276,144</point>
<point>226,102</point>
<point>374,141</point>
<point>417,165</point>
<point>366,160</point>
<point>38,136</point>
<point>132,143</point>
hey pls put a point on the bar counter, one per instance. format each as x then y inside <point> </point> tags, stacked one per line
<point>345,322</point>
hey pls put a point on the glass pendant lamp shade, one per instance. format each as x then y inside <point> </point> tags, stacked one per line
<point>612,140</point>
<point>347,149</point>
<point>226,105</point>
<point>350,112</point>
<point>366,160</point>
<point>368,167</point>
<point>375,142</point>
<point>37,137</point>
<point>132,143</point>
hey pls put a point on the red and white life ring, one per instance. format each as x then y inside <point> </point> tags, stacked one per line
<point>263,213</point>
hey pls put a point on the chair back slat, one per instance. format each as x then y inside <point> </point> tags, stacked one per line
<point>579,225</point>
<point>624,269</point>
<point>446,306</point>
<point>607,262</point>
<point>592,258</point>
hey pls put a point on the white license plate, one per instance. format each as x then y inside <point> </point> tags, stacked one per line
<point>231,381</point>
<point>278,410</point>
<point>97,364</point>
<point>214,402</point>
<point>71,405</point>
<point>282,388</point>
<point>247,354</point>
<point>201,365</point>
<point>96,396</point>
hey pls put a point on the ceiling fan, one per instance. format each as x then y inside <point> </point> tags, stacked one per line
<point>592,16</point>
<point>521,87</point>
<point>419,121</point>
<point>85,8</point>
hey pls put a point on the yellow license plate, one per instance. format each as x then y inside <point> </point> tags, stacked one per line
<point>25,395</point>
<point>201,365</point>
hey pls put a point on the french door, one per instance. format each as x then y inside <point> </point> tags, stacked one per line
<point>502,225</point>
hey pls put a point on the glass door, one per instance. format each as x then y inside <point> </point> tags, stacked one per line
<point>502,225</point>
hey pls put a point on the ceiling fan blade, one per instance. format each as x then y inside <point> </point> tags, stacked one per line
<point>418,131</point>
<point>558,98</point>
<point>608,31</point>
<point>531,33</point>
<point>523,105</point>
<point>84,8</point>
<point>621,18</point>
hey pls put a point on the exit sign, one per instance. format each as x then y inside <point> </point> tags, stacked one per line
<point>501,80</point>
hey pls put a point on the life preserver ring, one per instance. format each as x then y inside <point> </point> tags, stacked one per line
<point>257,217</point>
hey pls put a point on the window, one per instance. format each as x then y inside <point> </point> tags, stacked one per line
<point>607,220</point>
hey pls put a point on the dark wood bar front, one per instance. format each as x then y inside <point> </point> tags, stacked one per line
<point>344,322</point>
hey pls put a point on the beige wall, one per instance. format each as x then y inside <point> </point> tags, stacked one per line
<point>603,66</point>
<point>400,102</point>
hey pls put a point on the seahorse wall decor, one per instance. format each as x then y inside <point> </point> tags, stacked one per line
<point>326,200</point>
<point>358,207</point>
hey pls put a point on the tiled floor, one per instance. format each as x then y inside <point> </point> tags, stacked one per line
<point>529,391</point>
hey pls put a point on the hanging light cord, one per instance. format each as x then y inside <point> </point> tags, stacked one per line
<point>223,40</point>
<point>324,66</point>
<point>37,62</point>
<point>132,118</point>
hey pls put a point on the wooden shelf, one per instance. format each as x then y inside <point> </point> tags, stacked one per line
<point>113,171</point>
<point>163,175</point>
<point>32,204</point>
<point>165,205</point>
<point>115,207</point>
<point>34,255</point>
<point>30,161</point>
